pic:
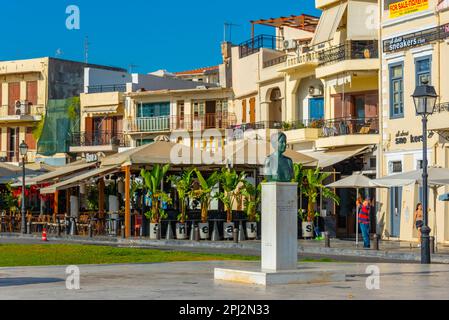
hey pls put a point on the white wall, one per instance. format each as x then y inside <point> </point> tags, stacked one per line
<point>99,77</point>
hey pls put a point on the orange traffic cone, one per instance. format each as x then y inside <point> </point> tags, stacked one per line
<point>44,235</point>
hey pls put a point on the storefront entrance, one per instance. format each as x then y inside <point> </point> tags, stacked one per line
<point>395,210</point>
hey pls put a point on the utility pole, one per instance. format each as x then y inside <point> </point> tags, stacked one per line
<point>229,25</point>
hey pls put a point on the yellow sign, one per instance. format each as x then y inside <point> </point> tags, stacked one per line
<point>402,8</point>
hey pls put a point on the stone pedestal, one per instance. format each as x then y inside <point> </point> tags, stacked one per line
<point>279,244</point>
<point>279,226</point>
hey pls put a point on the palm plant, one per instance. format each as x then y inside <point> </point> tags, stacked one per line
<point>183,185</point>
<point>252,195</point>
<point>203,193</point>
<point>230,181</point>
<point>312,186</point>
<point>153,180</point>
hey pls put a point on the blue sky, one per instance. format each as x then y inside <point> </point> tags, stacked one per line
<point>174,35</point>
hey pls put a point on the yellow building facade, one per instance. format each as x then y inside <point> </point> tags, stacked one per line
<point>415,47</point>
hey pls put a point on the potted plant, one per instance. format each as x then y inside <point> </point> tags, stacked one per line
<point>252,195</point>
<point>183,185</point>
<point>204,195</point>
<point>153,183</point>
<point>230,182</point>
<point>311,187</point>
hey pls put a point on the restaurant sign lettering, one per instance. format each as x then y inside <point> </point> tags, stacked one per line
<point>401,8</point>
<point>416,39</point>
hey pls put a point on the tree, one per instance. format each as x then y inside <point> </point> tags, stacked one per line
<point>183,185</point>
<point>153,180</point>
<point>203,193</point>
<point>253,197</point>
<point>230,181</point>
<point>312,185</point>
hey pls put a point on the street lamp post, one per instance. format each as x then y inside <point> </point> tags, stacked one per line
<point>23,149</point>
<point>425,98</point>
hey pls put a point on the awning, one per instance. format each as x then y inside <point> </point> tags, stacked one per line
<point>360,26</point>
<point>330,157</point>
<point>61,172</point>
<point>101,109</point>
<point>75,181</point>
<point>329,22</point>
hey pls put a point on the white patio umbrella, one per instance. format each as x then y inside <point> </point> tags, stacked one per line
<point>357,181</point>
<point>437,177</point>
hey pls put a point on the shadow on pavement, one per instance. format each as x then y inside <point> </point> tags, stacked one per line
<point>11,282</point>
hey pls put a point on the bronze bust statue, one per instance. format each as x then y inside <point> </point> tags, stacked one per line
<point>278,168</point>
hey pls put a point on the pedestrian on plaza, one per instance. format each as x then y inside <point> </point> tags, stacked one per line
<point>364,221</point>
<point>418,221</point>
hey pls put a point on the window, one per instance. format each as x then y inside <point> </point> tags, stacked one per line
<point>142,142</point>
<point>150,110</point>
<point>397,91</point>
<point>423,70</point>
<point>395,166</point>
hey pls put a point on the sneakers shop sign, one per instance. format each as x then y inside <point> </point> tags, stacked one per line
<point>403,137</point>
<point>416,39</point>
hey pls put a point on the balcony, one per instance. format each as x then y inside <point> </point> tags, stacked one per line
<point>253,45</point>
<point>97,141</point>
<point>203,122</point>
<point>148,124</point>
<point>305,62</point>
<point>350,56</point>
<point>439,121</point>
<point>107,88</point>
<point>24,113</point>
<point>348,131</point>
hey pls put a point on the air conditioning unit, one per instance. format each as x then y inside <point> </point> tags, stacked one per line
<point>290,44</point>
<point>20,107</point>
<point>315,91</point>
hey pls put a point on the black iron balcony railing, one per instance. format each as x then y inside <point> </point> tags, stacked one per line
<point>442,107</point>
<point>350,126</point>
<point>281,125</point>
<point>107,88</point>
<point>275,61</point>
<point>262,41</point>
<point>97,138</point>
<point>351,50</point>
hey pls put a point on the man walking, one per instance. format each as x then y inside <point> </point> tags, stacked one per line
<point>364,220</point>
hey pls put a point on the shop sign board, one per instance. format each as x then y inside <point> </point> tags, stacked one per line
<point>402,8</point>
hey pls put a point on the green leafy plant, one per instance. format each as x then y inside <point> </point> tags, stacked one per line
<point>92,198</point>
<point>230,181</point>
<point>39,128</point>
<point>252,198</point>
<point>73,110</point>
<point>204,193</point>
<point>183,185</point>
<point>8,200</point>
<point>153,180</point>
<point>312,185</point>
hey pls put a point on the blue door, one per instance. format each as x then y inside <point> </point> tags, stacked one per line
<point>395,211</point>
<point>316,108</point>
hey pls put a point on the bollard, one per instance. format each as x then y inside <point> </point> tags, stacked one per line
<point>170,234</point>
<point>215,233</point>
<point>58,228</point>
<point>67,226</point>
<point>376,240</point>
<point>123,232</point>
<point>159,231</point>
<point>236,235</point>
<point>73,227</point>
<point>197,233</point>
<point>192,231</point>
<point>241,232</point>
<point>90,230</point>
<point>29,227</point>
<point>432,245</point>
<point>327,240</point>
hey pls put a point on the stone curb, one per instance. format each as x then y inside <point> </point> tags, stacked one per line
<point>382,254</point>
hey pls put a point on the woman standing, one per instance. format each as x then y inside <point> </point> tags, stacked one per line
<point>418,221</point>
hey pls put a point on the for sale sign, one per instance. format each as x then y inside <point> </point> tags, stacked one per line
<point>401,8</point>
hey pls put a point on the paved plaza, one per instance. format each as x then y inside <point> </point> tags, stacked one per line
<point>194,281</point>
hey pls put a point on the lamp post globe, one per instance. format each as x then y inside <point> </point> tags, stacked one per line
<point>23,149</point>
<point>425,98</point>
